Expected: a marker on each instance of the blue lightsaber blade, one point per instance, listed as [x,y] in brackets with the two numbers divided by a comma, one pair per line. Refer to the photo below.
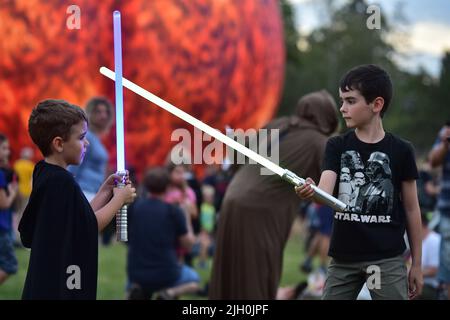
[119,92]
[121,216]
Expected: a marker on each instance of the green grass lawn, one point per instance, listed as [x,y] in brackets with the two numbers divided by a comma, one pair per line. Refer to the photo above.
[112,275]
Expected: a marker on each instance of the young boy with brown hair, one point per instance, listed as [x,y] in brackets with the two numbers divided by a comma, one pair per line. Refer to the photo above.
[59,224]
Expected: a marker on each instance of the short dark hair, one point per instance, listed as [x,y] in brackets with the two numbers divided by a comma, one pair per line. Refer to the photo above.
[53,118]
[372,81]
[156,180]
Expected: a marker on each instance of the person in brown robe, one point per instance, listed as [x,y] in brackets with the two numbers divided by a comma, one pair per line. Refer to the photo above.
[258,211]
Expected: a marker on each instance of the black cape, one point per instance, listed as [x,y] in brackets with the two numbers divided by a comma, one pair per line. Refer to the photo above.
[61,229]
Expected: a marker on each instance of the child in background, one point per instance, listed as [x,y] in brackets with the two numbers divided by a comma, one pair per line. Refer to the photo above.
[430,259]
[180,194]
[156,227]
[207,223]
[8,192]
[23,167]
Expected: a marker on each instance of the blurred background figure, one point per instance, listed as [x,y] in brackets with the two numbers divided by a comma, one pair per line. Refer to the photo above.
[440,156]
[183,196]
[194,184]
[427,188]
[179,192]
[23,168]
[91,173]
[207,224]
[430,259]
[156,230]
[258,210]
[321,241]
[8,193]
[219,178]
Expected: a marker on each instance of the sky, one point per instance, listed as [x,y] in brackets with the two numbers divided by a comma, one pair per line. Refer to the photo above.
[427,27]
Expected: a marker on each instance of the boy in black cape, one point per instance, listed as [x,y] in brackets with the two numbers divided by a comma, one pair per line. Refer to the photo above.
[59,225]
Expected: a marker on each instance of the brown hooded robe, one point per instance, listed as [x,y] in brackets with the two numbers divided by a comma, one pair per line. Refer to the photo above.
[258,210]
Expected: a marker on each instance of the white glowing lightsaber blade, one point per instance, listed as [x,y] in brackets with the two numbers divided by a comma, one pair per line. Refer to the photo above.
[287,175]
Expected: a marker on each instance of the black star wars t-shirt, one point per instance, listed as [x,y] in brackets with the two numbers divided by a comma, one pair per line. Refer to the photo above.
[369,178]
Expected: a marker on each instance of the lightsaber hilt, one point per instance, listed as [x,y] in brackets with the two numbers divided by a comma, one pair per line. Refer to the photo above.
[319,195]
[121,215]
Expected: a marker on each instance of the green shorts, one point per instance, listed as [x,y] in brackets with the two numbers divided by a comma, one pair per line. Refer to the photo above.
[386,279]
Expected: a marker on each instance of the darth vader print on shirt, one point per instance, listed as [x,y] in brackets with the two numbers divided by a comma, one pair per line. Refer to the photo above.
[366,188]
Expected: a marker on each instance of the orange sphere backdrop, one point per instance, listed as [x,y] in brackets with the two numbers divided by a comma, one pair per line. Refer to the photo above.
[221,61]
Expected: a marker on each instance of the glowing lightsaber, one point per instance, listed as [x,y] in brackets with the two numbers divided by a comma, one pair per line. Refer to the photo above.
[287,175]
[121,216]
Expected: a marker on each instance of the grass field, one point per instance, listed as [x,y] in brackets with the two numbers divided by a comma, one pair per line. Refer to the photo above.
[112,275]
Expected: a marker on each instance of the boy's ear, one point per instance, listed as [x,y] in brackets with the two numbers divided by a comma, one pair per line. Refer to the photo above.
[57,144]
[378,104]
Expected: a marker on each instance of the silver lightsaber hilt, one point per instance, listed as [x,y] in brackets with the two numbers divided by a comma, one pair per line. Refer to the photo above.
[319,194]
[121,215]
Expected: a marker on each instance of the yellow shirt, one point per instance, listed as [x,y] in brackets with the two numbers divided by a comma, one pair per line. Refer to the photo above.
[24,170]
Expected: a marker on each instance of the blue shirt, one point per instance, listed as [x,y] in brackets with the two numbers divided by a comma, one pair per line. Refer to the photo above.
[5,214]
[443,203]
[90,174]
